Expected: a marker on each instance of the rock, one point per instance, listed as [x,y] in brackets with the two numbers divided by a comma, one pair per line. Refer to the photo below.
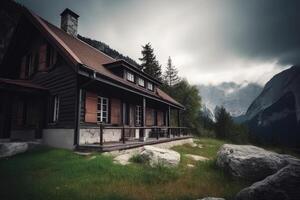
[190,165]
[193,145]
[8,149]
[211,198]
[157,156]
[123,159]
[200,146]
[196,157]
[251,162]
[283,185]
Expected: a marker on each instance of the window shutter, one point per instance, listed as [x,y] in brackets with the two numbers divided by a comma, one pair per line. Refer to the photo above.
[23,68]
[115,111]
[91,107]
[43,58]
[160,118]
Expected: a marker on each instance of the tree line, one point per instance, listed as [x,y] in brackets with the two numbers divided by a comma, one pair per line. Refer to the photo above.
[194,116]
[175,86]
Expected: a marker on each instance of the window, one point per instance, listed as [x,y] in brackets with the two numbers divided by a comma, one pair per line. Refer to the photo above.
[102,110]
[141,82]
[130,76]
[51,56]
[150,86]
[54,108]
[138,115]
[32,62]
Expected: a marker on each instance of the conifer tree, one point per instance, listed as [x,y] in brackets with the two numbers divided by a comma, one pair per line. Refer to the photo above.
[149,63]
[171,74]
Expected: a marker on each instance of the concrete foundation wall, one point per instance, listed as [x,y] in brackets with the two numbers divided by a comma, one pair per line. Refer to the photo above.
[59,138]
[92,135]
[22,134]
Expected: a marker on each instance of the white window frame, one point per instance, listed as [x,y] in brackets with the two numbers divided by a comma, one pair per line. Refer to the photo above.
[130,76]
[102,114]
[138,115]
[141,82]
[55,108]
[150,86]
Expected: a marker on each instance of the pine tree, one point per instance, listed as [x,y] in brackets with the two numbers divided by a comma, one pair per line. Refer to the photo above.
[149,63]
[224,123]
[171,74]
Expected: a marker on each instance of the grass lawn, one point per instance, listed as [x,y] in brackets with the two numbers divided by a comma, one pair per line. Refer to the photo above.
[60,174]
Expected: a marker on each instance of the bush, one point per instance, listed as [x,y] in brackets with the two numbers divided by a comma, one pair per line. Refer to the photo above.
[137,158]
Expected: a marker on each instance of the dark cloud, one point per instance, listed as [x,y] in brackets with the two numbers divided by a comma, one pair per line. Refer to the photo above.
[265,29]
[210,41]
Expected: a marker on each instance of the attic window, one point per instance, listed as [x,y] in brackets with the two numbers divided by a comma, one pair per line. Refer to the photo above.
[51,56]
[130,76]
[141,82]
[150,86]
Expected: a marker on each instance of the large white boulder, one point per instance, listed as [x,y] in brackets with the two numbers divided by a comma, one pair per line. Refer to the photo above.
[157,156]
[8,149]
[285,184]
[251,162]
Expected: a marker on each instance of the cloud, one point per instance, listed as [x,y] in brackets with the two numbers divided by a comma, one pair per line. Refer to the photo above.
[209,41]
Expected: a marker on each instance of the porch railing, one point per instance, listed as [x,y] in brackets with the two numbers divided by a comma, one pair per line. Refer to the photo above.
[154,131]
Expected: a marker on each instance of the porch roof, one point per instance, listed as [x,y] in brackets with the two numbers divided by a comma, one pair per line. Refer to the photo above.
[19,84]
[81,54]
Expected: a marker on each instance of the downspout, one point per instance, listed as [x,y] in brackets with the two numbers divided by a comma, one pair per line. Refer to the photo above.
[79,101]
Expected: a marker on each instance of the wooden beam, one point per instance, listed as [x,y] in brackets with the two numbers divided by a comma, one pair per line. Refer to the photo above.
[169,120]
[143,117]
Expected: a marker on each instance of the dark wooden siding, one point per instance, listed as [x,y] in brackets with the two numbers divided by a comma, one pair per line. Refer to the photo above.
[61,80]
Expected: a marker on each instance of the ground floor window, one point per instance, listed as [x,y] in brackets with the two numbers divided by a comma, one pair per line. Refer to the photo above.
[102,110]
[54,108]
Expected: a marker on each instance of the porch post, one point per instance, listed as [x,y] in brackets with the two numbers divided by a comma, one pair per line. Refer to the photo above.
[123,121]
[178,121]
[143,118]
[169,120]
[101,133]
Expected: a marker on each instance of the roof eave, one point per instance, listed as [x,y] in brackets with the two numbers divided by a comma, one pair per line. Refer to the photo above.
[107,80]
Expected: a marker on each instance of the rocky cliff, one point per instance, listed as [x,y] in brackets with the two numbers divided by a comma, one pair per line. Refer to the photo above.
[275,114]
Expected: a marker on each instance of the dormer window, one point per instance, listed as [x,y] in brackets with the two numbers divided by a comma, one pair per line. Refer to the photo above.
[150,86]
[130,76]
[141,82]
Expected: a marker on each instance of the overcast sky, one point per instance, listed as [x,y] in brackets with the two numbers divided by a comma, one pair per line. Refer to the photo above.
[209,41]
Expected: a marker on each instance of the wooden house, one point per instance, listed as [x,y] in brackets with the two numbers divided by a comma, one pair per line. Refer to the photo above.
[57,89]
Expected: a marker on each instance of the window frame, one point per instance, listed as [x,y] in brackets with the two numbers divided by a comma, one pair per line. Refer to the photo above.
[100,112]
[139,82]
[138,115]
[130,76]
[54,109]
[150,88]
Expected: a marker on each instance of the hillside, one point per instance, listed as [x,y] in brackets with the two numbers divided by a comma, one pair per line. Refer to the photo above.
[275,114]
[107,49]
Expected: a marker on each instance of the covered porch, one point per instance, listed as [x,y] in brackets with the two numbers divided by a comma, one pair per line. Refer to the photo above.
[22,108]
[113,118]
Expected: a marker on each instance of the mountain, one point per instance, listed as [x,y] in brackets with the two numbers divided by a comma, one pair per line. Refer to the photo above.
[236,98]
[275,114]
[107,49]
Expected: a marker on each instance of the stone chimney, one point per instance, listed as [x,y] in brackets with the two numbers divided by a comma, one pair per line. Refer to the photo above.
[69,22]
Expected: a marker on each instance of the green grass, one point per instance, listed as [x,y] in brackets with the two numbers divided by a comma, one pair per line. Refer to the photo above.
[60,174]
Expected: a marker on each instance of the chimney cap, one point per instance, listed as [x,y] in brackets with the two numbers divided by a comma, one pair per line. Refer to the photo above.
[70,12]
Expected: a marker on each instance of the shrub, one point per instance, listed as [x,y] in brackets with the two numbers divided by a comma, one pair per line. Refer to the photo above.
[137,158]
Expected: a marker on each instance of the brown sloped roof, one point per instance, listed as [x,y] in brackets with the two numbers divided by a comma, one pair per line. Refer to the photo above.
[80,52]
